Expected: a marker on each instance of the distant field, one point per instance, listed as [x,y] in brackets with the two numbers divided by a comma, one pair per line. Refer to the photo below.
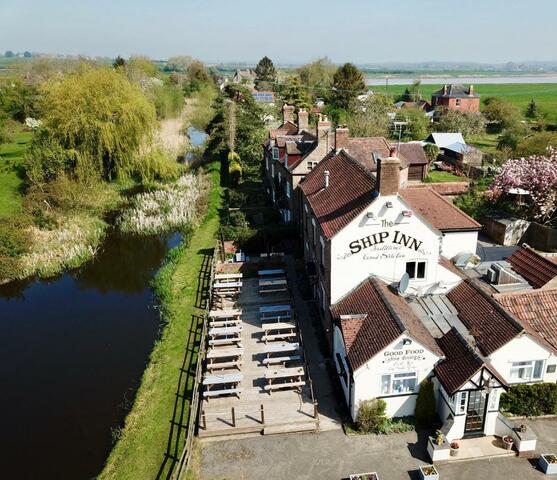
[11,157]
[545,94]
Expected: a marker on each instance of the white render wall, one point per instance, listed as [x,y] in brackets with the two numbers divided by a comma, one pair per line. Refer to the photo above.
[386,260]
[454,243]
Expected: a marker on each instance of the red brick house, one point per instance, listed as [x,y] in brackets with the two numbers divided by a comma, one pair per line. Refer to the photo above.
[456,97]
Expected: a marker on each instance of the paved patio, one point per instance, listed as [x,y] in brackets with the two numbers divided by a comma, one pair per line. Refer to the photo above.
[481,447]
[332,455]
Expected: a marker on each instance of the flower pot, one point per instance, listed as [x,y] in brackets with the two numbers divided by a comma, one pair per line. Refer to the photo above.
[548,463]
[508,442]
[454,451]
[364,476]
[429,472]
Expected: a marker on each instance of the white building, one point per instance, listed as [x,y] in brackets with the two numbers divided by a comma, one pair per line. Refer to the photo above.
[362,235]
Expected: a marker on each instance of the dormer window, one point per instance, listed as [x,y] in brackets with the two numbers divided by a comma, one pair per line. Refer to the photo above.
[275,153]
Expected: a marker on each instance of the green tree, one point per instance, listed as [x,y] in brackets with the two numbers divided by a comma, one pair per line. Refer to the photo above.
[293,93]
[94,123]
[532,110]
[467,123]
[27,54]
[425,404]
[373,119]
[512,136]
[348,83]
[179,63]
[119,62]
[318,75]
[234,168]
[9,54]
[18,99]
[432,151]
[371,416]
[417,124]
[265,74]
[197,77]
[500,114]
[535,143]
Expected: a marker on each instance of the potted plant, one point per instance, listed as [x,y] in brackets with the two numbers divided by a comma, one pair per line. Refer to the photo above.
[455,447]
[522,428]
[365,476]
[429,472]
[548,463]
[508,442]
[438,437]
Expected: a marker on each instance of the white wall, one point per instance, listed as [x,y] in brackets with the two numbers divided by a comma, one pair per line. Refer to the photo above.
[396,358]
[385,259]
[454,243]
[522,349]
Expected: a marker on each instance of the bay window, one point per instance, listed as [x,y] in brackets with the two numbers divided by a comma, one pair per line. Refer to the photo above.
[526,371]
[398,383]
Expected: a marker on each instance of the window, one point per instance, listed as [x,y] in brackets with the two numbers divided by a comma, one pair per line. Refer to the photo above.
[322,253]
[461,405]
[286,160]
[458,102]
[551,368]
[415,269]
[275,153]
[494,400]
[287,188]
[273,170]
[311,165]
[314,232]
[527,371]
[398,383]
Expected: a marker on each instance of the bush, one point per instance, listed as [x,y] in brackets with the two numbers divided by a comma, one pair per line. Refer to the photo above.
[158,165]
[169,101]
[15,241]
[530,400]
[371,416]
[425,403]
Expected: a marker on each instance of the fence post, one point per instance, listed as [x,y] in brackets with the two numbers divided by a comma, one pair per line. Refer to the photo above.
[203,420]
[314,409]
[262,415]
[233,417]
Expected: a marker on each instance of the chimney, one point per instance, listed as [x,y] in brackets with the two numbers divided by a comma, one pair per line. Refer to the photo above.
[445,89]
[388,174]
[326,174]
[303,119]
[323,129]
[342,135]
[287,113]
[471,93]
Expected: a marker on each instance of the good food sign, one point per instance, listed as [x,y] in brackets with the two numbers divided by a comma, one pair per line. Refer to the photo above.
[403,359]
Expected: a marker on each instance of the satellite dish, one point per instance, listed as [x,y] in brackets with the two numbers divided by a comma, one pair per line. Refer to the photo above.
[403,284]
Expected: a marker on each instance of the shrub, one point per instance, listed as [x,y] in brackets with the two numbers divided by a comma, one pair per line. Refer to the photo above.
[158,165]
[371,416]
[168,100]
[530,400]
[425,403]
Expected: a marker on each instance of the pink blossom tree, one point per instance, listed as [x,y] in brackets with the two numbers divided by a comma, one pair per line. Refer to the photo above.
[536,175]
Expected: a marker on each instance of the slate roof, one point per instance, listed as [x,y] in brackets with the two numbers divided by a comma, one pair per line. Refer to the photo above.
[351,189]
[437,210]
[454,91]
[414,153]
[379,318]
[490,325]
[535,268]
[537,308]
[364,149]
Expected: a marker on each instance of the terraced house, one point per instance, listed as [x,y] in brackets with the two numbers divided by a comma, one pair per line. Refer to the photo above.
[380,255]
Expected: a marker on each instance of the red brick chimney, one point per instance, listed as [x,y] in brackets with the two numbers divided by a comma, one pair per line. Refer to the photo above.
[287,113]
[323,129]
[471,92]
[303,119]
[388,174]
[445,89]
[342,135]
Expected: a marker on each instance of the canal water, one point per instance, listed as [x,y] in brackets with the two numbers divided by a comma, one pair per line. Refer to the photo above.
[72,352]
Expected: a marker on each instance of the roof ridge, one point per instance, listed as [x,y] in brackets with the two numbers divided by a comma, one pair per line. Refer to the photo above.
[357,164]
[462,212]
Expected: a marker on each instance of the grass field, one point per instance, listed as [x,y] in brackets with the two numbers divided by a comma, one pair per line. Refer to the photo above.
[438,176]
[545,94]
[11,158]
[140,451]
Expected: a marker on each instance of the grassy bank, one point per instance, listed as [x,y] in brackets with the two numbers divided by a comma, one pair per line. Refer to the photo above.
[143,443]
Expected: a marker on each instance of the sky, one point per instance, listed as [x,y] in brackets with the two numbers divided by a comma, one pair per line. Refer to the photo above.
[288,31]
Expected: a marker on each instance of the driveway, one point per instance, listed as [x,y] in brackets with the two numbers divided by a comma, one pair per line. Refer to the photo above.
[332,455]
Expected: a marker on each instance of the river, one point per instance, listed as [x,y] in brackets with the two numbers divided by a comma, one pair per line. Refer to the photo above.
[72,352]
[474,80]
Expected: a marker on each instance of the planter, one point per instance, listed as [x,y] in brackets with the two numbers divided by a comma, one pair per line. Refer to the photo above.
[548,463]
[508,442]
[455,448]
[429,472]
[365,476]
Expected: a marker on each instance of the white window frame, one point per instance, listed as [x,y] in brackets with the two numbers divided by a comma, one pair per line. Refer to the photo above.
[275,153]
[493,400]
[311,165]
[273,170]
[416,262]
[462,403]
[397,377]
[528,368]
[287,187]
[458,103]
[322,251]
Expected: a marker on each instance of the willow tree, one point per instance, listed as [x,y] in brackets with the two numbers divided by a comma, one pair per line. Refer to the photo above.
[96,120]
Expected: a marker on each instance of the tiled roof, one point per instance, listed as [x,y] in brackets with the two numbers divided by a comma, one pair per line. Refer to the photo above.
[287,128]
[535,268]
[379,317]
[413,153]
[538,308]
[438,211]
[486,320]
[460,364]
[364,148]
[454,91]
[351,189]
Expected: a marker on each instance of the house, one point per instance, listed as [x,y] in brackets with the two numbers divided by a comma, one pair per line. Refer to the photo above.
[247,76]
[455,149]
[420,105]
[456,97]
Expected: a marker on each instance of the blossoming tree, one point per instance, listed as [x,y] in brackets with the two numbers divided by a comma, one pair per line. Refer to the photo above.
[537,176]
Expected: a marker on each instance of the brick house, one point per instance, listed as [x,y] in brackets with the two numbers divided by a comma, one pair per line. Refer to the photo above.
[456,97]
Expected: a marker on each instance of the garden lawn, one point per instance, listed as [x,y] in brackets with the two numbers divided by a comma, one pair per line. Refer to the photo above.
[439,176]
[140,450]
[520,94]
[11,160]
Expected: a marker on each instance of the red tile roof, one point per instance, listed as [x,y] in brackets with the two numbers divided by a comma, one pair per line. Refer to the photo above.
[438,211]
[363,150]
[379,317]
[490,325]
[538,308]
[414,153]
[535,268]
[351,189]
[287,128]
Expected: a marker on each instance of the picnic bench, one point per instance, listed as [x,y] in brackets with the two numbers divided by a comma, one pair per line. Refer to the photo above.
[225,313]
[225,323]
[286,377]
[281,360]
[225,331]
[279,348]
[224,358]
[228,384]
[226,341]
[283,331]
[228,277]
[278,336]
[275,272]
[227,288]
[274,311]
[273,286]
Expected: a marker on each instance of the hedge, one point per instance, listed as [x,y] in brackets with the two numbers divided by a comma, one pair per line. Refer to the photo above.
[530,400]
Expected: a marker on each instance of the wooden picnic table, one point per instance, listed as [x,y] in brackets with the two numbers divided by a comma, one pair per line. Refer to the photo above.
[227,285]
[281,347]
[228,340]
[224,358]
[271,272]
[274,309]
[278,326]
[288,378]
[284,373]
[225,313]
[224,352]
[228,384]
[227,322]
[225,331]
[228,277]
[272,282]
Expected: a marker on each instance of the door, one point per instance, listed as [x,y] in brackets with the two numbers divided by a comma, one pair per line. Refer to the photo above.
[475,413]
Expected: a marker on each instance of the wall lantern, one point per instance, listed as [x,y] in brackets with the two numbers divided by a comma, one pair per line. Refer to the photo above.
[407,213]
[370,215]
[389,204]
[407,341]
